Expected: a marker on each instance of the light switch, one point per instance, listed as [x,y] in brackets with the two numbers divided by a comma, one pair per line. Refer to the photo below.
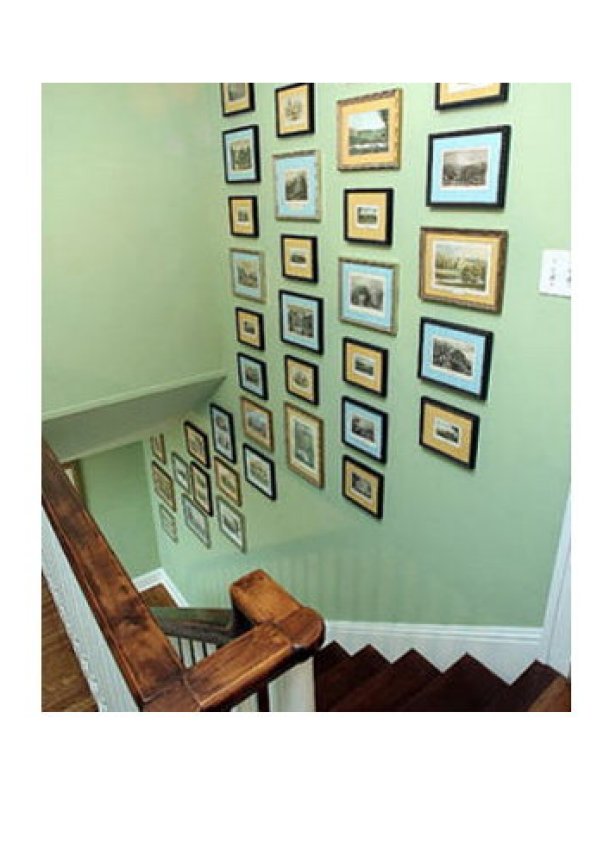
[555,273]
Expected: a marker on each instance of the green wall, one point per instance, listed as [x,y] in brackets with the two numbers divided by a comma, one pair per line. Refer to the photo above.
[454,546]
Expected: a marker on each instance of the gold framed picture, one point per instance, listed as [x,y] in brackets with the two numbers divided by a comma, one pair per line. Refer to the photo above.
[451,432]
[299,257]
[368,131]
[295,110]
[163,485]
[305,446]
[257,423]
[157,445]
[368,215]
[363,486]
[365,366]
[237,98]
[250,328]
[228,481]
[458,95]
[302,379]
[197,443]
[244,215]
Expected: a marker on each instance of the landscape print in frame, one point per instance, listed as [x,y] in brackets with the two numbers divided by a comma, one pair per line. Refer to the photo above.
[237,98]
[368,294]
[368,131]
[295,110]
[455,356]
[297,184]
[449,431]
[241,155]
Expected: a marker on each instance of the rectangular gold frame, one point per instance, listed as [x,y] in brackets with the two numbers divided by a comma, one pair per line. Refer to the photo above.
[234,494]
[266,442]
[316,477]
[387,100]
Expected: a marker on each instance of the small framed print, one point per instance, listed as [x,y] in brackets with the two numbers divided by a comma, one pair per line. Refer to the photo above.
[181,473]
[463,95]
[365,366]
[260,472]
[237,98]
[299,257]
[223,432]
[301,320]
[202,488]
[295,110]
[163,485]
[449,431]
[368,294]
[468,168]
[463,267]
[157,445]
[368,131]
[257,423]
[241,155]
[302,379]
[297,185]
[228,481]
[304,443]
[232,523]
[368,215]
[364,428]
[455,356]
[249,328]
[363,486]
[244,216]
[168,522]
[252,375]
[196,443]
[248,274]
[196,520]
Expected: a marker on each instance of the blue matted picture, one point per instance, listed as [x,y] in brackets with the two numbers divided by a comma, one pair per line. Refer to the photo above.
[364,428]
[297,184]
[301,320]
[455,356]
[248,274]
[241,155]
[468,168]
[368,294]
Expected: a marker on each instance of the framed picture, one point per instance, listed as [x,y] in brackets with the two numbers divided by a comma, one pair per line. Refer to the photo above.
[368,294]
[168,522]
[299,257]
[232,523]
[364,428]
[468,168]
[252,375]
[202,488]
[302,379]
[368,131]
[455,356]
[363,486]
[257,423]
[228,481]
[365,366]
[449,431]
[301,320]
[248,274]
[157,445]
[244,216]
[237,98]
[181,472]
[463,267]
[297,185]
[196,443]
[163,485]
[223,432]
[196,520]
[249,328]
[260,472]
[305,445]
[368,215]
[241,155]
[295,110]
[462,95]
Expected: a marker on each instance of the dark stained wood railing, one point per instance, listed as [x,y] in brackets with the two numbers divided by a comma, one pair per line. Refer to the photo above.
[279,632]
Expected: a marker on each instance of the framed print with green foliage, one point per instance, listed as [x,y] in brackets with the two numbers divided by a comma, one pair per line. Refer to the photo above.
[181,473]
[364,428]
[196,443]
[228,481]
[223,432]
[196,520]
[301,320]
[463,267]
[368,294]
[163,485]
[248,274]
[241,155]
[299,257]
[455,356]
[368,131]
[362,486]
[305,444]
[252,375]
[463,95]
[294,110]
[168,522]
[232,523]
[257,423]
[260,472]
[297,185]
[202,488]
[368,215]
[365,366]
[244,216]
[237,98]
[302,379]
[249,328]
[449,431]
[157,445]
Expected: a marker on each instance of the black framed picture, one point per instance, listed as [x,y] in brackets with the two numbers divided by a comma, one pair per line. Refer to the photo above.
[202,488]
[181,472]
[368,215]
[299,258]
[365,366]
[257,423]
[455,356]
[237,98]
[363,486]
[301,320]
[364,428]
[249,328]
[302,379]
[252,375]
[465,95]
[449,431]
[294,110]
[260,471]
[244,215]
[223,432]
[242,159]
[196,443]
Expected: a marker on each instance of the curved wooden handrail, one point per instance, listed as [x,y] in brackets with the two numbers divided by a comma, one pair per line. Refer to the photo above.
[283,631]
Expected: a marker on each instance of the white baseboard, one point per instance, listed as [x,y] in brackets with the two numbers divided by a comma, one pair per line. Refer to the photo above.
[156,577]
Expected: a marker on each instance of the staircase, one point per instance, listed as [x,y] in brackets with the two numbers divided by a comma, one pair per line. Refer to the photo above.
[368,682]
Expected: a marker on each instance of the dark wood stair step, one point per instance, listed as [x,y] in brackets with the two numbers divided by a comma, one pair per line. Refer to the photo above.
[467,686]
[521,694]
[327,657]
[346,675]
[381,693]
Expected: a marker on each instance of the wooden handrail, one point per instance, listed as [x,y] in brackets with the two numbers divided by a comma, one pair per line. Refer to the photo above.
[283,631]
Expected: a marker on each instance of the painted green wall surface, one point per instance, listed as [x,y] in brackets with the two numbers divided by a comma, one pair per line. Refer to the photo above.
[116,493]
[454,546]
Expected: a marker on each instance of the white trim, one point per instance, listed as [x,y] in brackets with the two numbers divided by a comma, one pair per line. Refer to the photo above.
[555,648]
[156,577]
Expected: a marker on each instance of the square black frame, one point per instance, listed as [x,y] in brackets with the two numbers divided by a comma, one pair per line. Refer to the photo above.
[311,119]
[272,471]
[384,418]
[389,215]
[229,416]
[261,326]
[194,429]
[383,351]
[197,468]
[488,338]
[263,393]
[314,368]
[254,205]
[378,515]
[314,251]
[256,152]
[251,102]
[501,96]
[471,417]
[318,301]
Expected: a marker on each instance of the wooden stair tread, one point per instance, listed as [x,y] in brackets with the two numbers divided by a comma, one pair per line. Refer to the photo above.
[555,698]
[395,683]
[327,657]
[467,686]
[524,691]
[346,675]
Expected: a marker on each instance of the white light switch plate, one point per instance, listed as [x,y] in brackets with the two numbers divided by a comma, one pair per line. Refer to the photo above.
[555,273]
